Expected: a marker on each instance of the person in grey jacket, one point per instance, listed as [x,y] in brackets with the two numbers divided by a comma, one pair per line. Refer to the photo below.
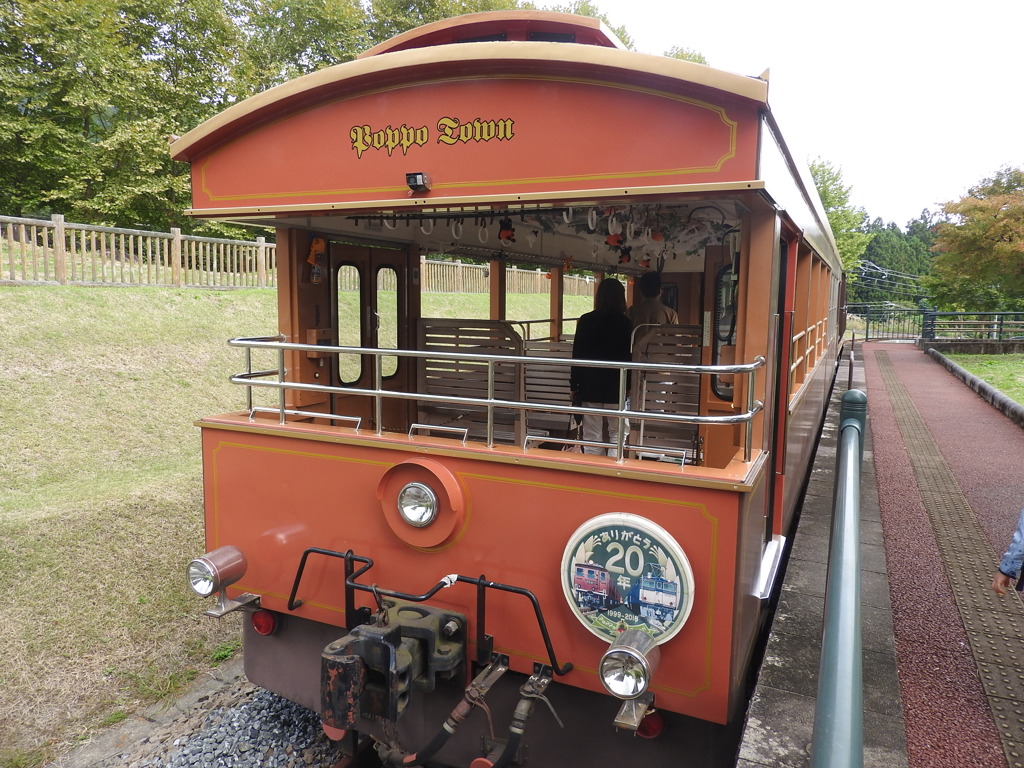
[1010,565]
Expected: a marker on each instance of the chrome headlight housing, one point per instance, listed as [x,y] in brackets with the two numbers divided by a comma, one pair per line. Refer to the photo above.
[201,577]
[216,570]
[418,505]
[629,664]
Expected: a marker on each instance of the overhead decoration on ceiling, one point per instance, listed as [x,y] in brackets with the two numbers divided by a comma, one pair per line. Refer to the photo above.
[626,238]
[646,235]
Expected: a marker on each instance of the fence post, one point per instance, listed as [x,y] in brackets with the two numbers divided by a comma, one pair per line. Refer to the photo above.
[60,264]
[176,257]
[928,326]
[261,262]
[853,349]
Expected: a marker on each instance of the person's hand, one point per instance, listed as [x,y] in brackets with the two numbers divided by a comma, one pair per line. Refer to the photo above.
[1001,583]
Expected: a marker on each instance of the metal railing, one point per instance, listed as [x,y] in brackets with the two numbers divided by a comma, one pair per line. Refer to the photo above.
[973,326]
[900,323]
[838,716]
[276,379]
[885,322]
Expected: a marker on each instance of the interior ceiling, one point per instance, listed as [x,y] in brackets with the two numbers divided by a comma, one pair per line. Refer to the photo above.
[608,237]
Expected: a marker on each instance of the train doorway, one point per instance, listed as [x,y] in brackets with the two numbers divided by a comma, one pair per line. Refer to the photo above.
[372,307]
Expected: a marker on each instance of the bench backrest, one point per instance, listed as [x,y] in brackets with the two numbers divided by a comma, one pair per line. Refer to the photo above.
[467,378]
[668,391]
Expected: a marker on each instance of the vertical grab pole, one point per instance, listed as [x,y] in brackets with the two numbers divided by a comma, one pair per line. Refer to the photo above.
[248,387]
[748,443]
[838,716]
[490,403]
[378,384]
[282,400]
[620,441]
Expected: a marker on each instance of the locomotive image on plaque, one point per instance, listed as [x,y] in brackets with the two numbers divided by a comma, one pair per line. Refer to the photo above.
[621,571]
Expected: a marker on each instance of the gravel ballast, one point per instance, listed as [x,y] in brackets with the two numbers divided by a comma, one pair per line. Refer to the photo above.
[222,721]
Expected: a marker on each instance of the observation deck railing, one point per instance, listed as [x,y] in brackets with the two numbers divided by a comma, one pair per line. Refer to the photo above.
[275,378]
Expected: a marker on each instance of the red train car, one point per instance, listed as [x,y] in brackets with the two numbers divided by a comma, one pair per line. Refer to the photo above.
[392,508]
[594,587]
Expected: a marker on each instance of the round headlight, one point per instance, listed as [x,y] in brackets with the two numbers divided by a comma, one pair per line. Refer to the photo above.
[216,570]
[629,664]
[201,577]
[417,504]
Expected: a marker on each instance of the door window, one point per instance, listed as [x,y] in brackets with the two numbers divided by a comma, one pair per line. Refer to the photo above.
[387,317]
[349,325]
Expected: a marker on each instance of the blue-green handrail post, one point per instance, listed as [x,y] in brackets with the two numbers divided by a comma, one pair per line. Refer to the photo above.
[839,712]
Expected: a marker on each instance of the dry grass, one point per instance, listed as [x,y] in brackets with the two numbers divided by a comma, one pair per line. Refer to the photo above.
[100,495]
[101,504]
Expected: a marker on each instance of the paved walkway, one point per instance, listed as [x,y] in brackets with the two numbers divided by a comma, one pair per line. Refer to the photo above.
[943,482]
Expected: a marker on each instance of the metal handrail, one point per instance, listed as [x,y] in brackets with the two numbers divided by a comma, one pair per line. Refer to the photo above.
[988,326]
[838,715]
[275,378]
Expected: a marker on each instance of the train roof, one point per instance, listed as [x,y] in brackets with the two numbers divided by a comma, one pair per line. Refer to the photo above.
[421,55]
[499,110]
[537,26]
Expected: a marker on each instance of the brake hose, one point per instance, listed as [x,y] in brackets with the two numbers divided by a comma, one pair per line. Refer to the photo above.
[531,690]
[473,697]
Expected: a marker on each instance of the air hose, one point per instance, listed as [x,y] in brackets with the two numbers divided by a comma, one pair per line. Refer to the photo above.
[531,690]
[473,697]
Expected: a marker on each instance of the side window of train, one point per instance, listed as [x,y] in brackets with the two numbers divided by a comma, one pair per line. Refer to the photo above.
[349,326]
[724,328]
[387,317]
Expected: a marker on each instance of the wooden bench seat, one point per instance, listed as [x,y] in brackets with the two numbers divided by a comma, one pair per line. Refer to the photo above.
[543,383]
[668,391]
[548,383]
[468,378]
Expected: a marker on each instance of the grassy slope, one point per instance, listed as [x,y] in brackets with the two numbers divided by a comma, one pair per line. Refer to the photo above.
[102,506]
[102,502]
[1004,372]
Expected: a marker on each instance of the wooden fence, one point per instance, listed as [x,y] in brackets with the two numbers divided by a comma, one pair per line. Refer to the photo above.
[54,251]
[37,250]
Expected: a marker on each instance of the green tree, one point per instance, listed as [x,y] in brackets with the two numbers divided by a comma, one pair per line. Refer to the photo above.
[91,92]
[587,8]
[685,54]
[924,228]
[979,262]
[890,268]
[846,221]
[388,18]
[284,39]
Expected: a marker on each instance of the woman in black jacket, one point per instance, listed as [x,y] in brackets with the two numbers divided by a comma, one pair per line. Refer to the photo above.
[603,334]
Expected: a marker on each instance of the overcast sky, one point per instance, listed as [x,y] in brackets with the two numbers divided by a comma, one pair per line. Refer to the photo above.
[914,101]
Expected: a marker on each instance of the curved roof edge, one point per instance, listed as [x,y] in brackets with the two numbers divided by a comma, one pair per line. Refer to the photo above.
[414,64]
[473,27]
